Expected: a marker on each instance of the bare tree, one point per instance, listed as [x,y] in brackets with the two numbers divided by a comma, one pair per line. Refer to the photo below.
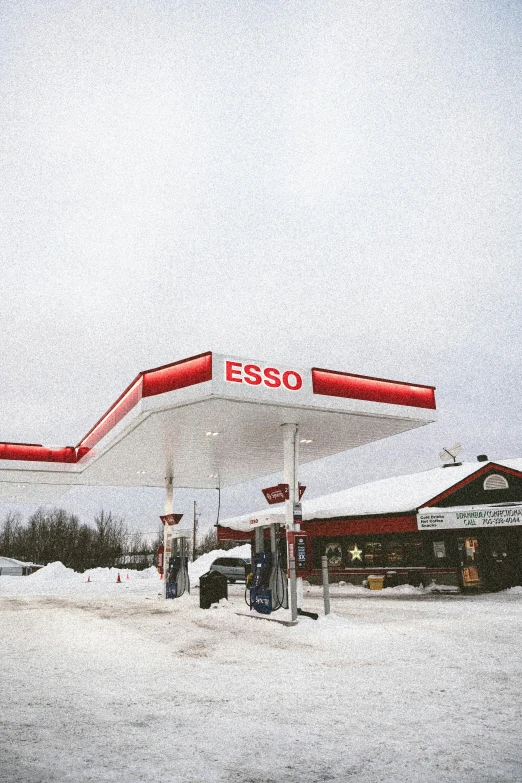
[51,535]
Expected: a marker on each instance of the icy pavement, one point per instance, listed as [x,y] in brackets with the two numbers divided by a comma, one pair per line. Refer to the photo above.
[104,681]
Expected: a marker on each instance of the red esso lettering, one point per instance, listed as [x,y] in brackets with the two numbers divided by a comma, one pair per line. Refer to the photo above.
[233,372]
[292,380]
[255,376]
[271,377]
[252,374]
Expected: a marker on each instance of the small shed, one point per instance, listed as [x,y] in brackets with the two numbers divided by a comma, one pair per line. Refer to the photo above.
[9,566]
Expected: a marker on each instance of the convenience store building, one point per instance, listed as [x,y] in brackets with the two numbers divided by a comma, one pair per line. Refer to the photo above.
[457,525]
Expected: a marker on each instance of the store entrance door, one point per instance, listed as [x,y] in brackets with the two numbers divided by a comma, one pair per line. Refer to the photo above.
[470,570]
[500,560]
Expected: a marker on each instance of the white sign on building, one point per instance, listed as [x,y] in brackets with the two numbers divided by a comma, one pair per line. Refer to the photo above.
[469,517]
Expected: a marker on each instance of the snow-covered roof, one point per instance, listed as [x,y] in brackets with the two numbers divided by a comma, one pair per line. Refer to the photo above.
[11,562]
[392,495]
[387,496]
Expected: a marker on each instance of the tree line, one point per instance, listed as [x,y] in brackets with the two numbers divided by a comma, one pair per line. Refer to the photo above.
[50,535]
[53,534]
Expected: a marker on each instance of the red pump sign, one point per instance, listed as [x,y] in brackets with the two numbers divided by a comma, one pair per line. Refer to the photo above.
[280,493]
[171,519]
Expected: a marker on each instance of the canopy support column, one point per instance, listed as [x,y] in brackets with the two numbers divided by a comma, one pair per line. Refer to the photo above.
[291,462]
[259,540]
[167,534]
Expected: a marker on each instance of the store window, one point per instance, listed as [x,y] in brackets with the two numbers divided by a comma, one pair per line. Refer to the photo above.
[413,552]
[334,553]
[373,554]
[355,554]
[394,553]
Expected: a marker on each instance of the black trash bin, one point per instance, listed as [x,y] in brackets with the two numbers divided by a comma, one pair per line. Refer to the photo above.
[213,586]
[415,579]
[391,579]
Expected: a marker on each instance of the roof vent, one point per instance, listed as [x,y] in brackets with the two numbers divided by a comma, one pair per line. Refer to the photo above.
[495,481]
[482,458]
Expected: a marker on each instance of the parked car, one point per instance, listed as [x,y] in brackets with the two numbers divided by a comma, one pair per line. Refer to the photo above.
[234,568]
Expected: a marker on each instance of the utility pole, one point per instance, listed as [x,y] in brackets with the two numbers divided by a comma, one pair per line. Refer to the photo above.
[195,533]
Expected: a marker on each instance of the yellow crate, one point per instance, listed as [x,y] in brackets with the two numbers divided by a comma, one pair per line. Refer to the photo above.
[375,582]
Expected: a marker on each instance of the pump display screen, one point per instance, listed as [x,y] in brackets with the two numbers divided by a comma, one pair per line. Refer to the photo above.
[301,553]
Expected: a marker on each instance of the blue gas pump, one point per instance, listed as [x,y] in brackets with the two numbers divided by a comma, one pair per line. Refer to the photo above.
[177,577]
[260,593]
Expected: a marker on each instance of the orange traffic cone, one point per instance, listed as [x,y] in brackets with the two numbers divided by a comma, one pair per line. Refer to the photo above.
[119,578]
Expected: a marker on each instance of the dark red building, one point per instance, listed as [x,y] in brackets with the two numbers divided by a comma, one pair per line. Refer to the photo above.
[457,525]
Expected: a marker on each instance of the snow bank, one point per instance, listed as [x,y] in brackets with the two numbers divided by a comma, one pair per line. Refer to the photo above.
[342,588]
[52,572]
[111,574]
[514,590]
[56,576]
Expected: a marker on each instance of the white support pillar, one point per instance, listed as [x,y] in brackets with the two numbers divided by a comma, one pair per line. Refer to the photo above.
[259,540]
[167,533]
[273,539]
[169,496]
[291,462]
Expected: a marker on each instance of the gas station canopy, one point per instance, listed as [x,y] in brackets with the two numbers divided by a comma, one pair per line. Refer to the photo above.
[214,420]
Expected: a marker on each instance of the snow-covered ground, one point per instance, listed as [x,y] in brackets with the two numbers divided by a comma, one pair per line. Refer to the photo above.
[104,681]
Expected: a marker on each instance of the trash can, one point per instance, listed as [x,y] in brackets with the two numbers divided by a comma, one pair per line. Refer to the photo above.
[213,586]
[391,580]
[415,579]
[375,582]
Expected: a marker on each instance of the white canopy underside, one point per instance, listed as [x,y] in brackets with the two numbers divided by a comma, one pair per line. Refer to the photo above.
[205,441]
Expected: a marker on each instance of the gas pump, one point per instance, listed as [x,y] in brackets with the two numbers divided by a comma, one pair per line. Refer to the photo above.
[260,593]
[176,572]
[177,577]
[268,588]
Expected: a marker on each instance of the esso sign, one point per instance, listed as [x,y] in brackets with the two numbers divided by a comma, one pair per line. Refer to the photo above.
[253,375]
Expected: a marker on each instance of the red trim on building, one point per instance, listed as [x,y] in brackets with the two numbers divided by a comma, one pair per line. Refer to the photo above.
[337,527]
[227,534]
[362,526]
[480,472]
[362,387]
[178,375]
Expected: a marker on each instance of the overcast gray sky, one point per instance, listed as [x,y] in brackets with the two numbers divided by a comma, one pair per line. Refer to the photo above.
[319,182]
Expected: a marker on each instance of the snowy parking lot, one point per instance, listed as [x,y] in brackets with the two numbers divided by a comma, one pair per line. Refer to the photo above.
[104,681]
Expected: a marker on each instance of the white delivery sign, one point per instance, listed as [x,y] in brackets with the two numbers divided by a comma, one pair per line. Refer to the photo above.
[469,517]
